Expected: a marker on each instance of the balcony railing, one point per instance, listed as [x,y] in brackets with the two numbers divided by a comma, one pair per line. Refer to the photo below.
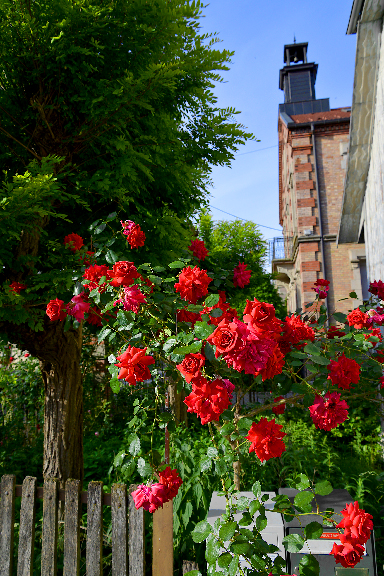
[280,249]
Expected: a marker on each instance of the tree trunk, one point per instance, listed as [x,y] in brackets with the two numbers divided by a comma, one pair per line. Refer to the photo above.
[63,407]
[59,353]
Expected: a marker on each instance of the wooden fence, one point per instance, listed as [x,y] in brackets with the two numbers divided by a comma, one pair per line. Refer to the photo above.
[127,529]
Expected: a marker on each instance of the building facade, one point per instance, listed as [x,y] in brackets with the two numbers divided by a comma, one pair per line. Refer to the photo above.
[363,203]
[313,147]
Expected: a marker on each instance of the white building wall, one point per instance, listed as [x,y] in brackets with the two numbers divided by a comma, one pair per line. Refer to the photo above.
[374,197]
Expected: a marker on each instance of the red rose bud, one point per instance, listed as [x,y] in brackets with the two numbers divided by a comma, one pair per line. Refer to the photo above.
[198,249]
[241,276]
[74,242]
[17,287]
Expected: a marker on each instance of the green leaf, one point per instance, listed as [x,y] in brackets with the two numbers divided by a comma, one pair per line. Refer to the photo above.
[186,515]
[205,464]
[320,360]
[111,257]
[124,318]
[340,317]
[115,385]
[203,330]
[261,523]
[211,300]
[256,489]
[220,467]
[323,488]
[100,228]
[313,530]
[143,468]
[212,550]
[293,543]
[227,531]
[111,358]
[190,349]
[227,429]
[104,333]
[312,349]
[176,264]
[209,352]
[169,343]
[155,279]
[352,295]
[201,531]
[134,446]
[301,482]
[240,546]
[254,507]
[224,560]
[111,216]
[233,567]
[302,499]
[212,452]
[309,566]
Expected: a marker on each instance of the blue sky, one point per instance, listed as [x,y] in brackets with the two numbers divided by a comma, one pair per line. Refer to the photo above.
[257,32]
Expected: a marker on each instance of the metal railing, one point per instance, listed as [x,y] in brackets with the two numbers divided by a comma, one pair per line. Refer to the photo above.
[280,248]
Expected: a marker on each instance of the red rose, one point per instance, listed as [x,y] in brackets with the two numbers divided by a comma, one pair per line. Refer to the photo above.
[343,372]
[266,439]
[208,399]
[17,287]
[73,241]
[274,364]
[193,284]
[134,365]
[191,365]
[329,413]
[348,554]
[198,249]
[260,316]
[224,337]
[358,319]
[94,274]
[377,288]
[135,235]
[131,299]
[88,258]
[186,316]
[334,332]
[56,310]
[295,333]
[123,274]
[357,524]
[252,355]
[78,306]
[94,316]
[241,276]
[321,287]
[149,497]
[373,332]
[171,480]
[227,312]
[280,408]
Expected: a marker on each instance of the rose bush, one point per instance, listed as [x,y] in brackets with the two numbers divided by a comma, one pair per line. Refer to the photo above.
[173,329]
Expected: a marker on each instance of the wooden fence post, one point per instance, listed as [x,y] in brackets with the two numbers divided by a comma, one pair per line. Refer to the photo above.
[50,528]
[119,530]
[72,510]
[94,559]
[27,528]
[136,538]
[162,559]
[7,521]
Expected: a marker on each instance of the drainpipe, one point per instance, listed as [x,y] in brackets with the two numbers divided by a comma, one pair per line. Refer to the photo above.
[319,211]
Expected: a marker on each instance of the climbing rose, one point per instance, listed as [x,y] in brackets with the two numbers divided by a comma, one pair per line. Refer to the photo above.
[74,242]
[357,524]
[266,439]
[193,284]
[241,276]
[94,274]
[208,399]
[358,319]
[135,235]
[228,313]
[295,333]
[191,365]
[280,408]
[94,316]
[134,365]
[334,332]
[131,299]
[149,497]
[321,287]
[274,364]
[56,310]
[171,481]
[329,413]
[377,289]
[229,387]
[348,554]
[224,337]
[198,249]
[260,316]
[187,316]
[343,372]
[77,307]
[17,287]
[123,274]
[373,332]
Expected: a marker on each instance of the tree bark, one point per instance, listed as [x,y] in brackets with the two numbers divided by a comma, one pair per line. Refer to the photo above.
[59,353]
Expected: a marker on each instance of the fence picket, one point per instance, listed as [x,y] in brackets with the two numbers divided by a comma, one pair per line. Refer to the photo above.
[136,538]
[7,519]
[27,528]
[94,529]
[72,528]
[119,530]
[50,528]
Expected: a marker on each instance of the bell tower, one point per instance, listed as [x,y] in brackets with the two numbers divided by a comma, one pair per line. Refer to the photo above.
[297,80]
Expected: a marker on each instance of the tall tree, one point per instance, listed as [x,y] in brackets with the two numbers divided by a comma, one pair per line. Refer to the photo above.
[104,106]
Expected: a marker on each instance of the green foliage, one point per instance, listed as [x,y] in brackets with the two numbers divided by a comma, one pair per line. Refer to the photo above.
[231,242]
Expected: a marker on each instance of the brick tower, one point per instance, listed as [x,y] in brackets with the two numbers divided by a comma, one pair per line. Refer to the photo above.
[313,147]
